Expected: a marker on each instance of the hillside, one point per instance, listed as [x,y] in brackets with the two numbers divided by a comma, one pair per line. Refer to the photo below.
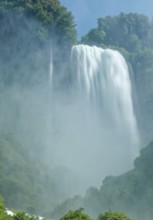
[29,34]
[130,192]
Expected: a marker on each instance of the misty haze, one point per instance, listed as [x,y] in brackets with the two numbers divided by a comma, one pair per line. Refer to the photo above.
[76,115]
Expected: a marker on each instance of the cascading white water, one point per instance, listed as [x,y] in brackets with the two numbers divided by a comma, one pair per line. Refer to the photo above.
[103,77]
[97,131]
[51,64]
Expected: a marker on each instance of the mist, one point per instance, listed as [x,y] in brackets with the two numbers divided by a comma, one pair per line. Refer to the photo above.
[68,113]
[98,134]
[66,129]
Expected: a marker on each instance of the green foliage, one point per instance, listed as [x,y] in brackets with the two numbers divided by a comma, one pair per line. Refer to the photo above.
[142,62]
[50,13]
[76,215]
[144,162]
[94,36]
[69,204]
[113,216]
[29,30]
[2,206]
[24,216]
[6,214]
[130,193]
[130,31]
[24,184]
[71,215]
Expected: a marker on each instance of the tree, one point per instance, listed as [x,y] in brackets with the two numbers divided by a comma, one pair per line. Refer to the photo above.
[94,37]
[29,30]
[129,31]
[113,216]
[76,215]
[50,14]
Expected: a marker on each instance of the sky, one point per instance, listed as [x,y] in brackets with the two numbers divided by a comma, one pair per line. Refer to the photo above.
[86,12]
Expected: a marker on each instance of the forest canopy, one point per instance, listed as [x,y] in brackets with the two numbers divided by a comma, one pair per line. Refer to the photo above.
[129,31]
[53,17]
[29,29]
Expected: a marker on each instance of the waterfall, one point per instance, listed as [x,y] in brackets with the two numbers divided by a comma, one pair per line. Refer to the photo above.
[103,77]
[98,129]
[51,64]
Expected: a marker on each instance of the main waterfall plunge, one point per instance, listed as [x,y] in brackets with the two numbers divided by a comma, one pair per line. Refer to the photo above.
[81,124]
[96,131]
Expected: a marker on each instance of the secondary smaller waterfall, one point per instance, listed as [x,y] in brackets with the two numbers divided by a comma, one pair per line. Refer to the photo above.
[51,64]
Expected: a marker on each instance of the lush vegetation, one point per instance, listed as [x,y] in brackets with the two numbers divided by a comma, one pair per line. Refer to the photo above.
[29,30]
[129,31]
[71,215]
[76,215]
[131,192]
[113,215]
[52,18]
[24,182]
[14,215]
